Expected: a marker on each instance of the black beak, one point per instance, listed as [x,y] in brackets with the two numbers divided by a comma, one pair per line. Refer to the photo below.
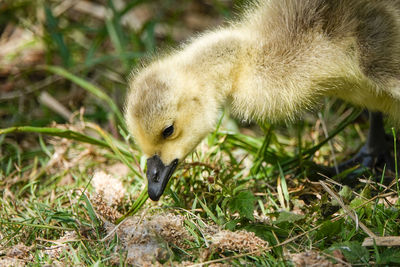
[158,176]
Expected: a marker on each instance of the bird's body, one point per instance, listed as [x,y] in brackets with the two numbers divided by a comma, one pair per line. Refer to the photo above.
[277,60]
[346,48]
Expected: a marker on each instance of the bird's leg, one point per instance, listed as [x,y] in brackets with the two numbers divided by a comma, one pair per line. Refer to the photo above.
[376,154]
[377,151]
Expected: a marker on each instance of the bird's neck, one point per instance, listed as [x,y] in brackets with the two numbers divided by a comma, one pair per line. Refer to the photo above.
[212,60]
[231,67]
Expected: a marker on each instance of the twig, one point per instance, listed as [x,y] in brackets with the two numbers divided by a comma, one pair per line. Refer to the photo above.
[335,258]
[349,212]
[53,104]
[121,222]
[63,7]
[325,130]
[30,89]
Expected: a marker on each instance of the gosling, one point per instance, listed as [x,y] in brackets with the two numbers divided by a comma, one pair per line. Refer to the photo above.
[274,62]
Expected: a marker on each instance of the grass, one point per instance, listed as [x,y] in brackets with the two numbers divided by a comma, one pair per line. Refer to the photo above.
[260,179]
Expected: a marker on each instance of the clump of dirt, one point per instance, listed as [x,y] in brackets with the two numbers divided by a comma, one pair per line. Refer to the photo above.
[60,247]
[19,251]
[144,238]
[8,261]
[18,255]
[239,241]
[104,210]
[110,189]
[109,193]
[312,258]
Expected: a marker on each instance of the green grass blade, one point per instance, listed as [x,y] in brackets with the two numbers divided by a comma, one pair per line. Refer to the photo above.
[65,133]
[309,152]
[284,186]
[139,202]
[42,226]
[57,37]
[115,149]
[129,5]
[116,34]
[89,87]
[208,211]
[90,210]
[349,119]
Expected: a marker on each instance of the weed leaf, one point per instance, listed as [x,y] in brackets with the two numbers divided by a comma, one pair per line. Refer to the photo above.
[290,217]
[353,251]
[244,204]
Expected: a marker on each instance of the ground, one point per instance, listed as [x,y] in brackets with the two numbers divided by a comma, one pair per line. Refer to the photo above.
[72,184]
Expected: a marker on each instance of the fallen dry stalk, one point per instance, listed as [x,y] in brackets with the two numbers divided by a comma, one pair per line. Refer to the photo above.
[384,241]
[53,104]
[348,211]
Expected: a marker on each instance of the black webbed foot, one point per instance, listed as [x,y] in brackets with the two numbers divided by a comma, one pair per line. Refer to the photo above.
[375,161]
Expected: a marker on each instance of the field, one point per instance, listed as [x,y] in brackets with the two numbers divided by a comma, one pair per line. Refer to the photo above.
[72,181]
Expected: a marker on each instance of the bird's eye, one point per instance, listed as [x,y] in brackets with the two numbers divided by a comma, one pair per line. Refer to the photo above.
[168,131]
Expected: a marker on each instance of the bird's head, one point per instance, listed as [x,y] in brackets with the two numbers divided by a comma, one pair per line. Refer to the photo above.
[168,113]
